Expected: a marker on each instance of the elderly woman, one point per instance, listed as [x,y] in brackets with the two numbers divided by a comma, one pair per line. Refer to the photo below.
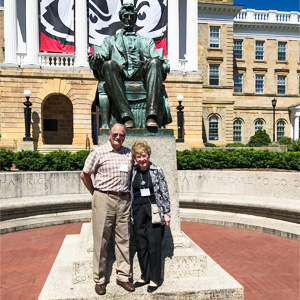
[148,186]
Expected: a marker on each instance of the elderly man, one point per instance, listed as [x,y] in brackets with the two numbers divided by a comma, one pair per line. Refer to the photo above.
[111,165]
[129,56]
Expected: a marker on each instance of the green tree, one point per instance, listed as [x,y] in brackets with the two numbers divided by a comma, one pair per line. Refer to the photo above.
[259,139]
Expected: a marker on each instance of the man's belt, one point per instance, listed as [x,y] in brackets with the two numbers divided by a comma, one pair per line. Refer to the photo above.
[113,193]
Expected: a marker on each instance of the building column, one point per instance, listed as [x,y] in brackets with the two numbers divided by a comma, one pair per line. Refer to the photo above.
[32,34]
[81,45]
[173,34]
[296,128]
[192,35]
[10,32]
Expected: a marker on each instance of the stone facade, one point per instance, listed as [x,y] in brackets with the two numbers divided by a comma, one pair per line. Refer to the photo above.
[57,93]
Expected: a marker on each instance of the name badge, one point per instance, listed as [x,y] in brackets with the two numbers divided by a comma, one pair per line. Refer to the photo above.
[145,192]
[123,168]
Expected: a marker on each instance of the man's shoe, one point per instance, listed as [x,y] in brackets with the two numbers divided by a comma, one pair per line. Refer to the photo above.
[129,124]
[100,289]
[140,284]
[151,123]
[128,286]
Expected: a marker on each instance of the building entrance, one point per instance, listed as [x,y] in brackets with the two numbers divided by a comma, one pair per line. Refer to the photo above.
[57,115]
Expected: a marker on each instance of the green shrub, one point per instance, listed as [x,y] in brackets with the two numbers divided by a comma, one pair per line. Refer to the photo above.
[6,159]
[239,158]
[78,158]
[285,141]
[235,145]
[259,139]
[29,161]
[294,146]
[209,145]
[58,161]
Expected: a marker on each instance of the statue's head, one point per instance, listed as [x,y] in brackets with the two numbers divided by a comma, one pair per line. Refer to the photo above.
[128,15]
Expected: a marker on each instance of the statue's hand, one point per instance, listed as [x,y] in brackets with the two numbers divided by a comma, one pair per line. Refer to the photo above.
[92,60]
[166,67]
[95,61]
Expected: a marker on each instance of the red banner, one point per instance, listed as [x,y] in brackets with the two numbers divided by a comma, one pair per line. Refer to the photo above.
[57,22]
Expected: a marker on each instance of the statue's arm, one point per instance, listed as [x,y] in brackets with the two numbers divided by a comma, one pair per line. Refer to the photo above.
[99,56]
[158,53]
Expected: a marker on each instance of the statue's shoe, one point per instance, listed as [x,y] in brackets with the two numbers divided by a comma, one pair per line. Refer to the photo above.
[151,123]
[129,124]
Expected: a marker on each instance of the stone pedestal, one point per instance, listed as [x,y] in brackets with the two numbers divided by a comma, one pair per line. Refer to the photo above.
[27,145]
[188,272]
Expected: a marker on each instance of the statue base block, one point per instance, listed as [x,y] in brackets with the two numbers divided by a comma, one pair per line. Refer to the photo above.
[188,274]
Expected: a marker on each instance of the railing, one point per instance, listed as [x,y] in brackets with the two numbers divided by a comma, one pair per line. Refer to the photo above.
[56,60]
[50,60]
[271,16]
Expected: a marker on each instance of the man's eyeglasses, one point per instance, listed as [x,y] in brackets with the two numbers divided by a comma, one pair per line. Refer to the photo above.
[118,134]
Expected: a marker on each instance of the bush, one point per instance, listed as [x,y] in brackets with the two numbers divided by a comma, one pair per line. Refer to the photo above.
[259,139]
[235,145]
[294,146]
[6,159]
[209,145]
[285,141]
[239,158]
[58,161]
[30,161]
[78,158]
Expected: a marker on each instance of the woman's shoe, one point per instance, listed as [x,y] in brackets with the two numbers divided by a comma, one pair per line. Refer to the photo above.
[138,284]
[151,289]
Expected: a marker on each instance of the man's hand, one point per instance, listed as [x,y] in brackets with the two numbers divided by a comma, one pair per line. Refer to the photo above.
[86,178]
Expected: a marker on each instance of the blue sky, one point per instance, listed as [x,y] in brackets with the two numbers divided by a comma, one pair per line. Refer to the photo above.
[280,5]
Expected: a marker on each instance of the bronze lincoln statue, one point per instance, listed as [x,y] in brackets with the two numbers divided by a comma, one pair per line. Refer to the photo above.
[127,56]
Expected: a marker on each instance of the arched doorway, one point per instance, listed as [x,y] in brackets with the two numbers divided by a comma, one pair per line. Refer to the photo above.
[57,114]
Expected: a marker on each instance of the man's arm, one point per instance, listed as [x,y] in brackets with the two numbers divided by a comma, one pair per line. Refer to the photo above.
[87,180]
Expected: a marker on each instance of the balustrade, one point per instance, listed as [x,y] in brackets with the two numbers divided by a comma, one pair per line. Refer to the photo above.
[252,15]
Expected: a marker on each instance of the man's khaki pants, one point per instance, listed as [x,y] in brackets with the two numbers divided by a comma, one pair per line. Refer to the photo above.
[111,214]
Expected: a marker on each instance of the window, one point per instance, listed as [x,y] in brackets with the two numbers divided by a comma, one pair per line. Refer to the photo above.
[281,85]
[280,129]
[213,131]
[238,49]
[237,131]
[259,124]
[214,74]
[282,51]
[259,84]
[259,50]
[214,37]
[237,83]
[1,3]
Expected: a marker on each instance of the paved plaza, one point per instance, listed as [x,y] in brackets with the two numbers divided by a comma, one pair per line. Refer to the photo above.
[267,266]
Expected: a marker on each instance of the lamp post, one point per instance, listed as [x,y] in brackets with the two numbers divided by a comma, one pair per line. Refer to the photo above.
[274,101]
[180,120]
[27,115]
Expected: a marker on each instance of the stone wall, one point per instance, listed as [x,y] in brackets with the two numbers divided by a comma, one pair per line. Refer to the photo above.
[276,185]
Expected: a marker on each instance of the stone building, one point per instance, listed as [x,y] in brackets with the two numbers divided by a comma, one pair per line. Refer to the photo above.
[227,62]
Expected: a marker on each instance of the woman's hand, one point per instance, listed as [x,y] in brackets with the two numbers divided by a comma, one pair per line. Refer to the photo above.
[167,219]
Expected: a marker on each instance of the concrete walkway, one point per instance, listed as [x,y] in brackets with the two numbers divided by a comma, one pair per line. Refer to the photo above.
[267,266]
